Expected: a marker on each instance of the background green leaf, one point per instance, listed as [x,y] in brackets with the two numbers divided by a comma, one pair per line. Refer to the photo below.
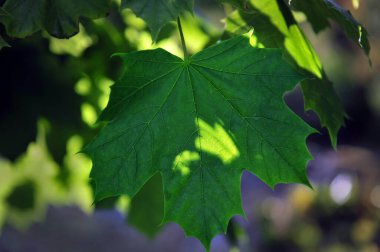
[158,13]
[32,182]
[320,12]
[275,27]
[59,17]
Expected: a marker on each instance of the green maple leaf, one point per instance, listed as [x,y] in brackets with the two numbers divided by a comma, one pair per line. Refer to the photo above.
[200,123]
[158,13]
[59,17]
[320,12]
[275,27]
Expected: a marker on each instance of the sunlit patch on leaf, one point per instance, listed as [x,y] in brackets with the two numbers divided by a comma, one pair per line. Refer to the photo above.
[183,160]
[216,141]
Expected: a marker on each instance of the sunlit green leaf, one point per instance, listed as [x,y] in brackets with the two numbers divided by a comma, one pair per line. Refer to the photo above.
[158,13]
[274,27]
[59,17]
[200,123]
[320,12]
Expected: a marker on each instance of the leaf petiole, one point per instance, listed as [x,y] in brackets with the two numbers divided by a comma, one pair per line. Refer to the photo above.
[185,54]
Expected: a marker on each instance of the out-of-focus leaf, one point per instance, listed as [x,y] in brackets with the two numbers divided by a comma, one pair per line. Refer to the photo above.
[22,196]
[199,33]
[74,46]
[3,43]
[275,27]
[36,170]
[78,189]
[158,13]
[31,184]
[320,96]
[320,12]
[162,118]
[59,17]
[147,207]
[238,3]
[5,174]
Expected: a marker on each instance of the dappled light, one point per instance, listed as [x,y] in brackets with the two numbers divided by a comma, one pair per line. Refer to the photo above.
[89,115]
[183,161]
[193,27]
[75,46]
[31,183]
[216,141]
[83,86]
[37,169]
[78,168]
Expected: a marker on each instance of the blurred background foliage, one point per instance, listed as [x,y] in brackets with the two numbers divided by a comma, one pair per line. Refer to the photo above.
[52,92]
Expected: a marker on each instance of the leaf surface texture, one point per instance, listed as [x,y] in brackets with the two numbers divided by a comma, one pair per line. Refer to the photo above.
[200,123]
